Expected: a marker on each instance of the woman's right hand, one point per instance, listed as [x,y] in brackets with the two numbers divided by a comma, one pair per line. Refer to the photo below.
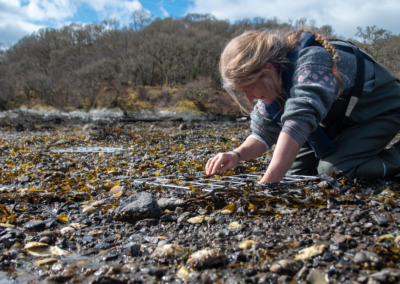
[221,162]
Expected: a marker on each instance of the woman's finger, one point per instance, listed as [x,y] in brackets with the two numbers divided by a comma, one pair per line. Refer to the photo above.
[217,162]
[209,166]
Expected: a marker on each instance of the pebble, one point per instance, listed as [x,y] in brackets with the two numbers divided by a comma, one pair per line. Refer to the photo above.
[170,203]
[67,230]
[367,256]
[310,252]
[286,265]
[234,225]
[183,272]
[247,244]
[206,258]
[316,276]
[380,220]
[35,225]
[170,252]
[196,220]
[45,261]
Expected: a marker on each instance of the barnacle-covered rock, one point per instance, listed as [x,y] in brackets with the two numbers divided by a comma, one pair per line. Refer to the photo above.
[170,252]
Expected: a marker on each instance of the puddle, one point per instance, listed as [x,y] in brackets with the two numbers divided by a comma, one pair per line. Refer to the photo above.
[90,150]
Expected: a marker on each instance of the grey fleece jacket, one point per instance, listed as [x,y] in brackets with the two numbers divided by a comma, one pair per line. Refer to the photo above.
[312,95]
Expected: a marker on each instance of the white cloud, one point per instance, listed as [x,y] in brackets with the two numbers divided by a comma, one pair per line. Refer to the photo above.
[22,17]
[165,12]
[343,15]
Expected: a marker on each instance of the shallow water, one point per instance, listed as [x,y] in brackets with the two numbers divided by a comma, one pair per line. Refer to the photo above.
[90,150]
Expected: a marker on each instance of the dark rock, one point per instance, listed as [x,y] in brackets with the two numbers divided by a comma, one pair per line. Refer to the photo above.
[167,218]
[110,280]
[156,272]
[138,206]
[87,222]
[131,249]
[110,257]
[183,126]
[50,223]
[170,203]
[8,240]
[381,220]
[35,225]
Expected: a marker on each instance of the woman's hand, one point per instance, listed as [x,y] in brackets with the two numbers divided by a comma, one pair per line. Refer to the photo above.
[285,153]
[221,162]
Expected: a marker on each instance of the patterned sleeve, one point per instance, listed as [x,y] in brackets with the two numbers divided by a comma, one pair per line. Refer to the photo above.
[263,125]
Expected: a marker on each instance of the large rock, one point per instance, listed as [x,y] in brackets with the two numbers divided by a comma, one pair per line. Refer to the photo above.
[170,203]
[137,207]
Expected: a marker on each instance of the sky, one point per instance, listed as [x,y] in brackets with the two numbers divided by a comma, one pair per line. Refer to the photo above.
[22,17]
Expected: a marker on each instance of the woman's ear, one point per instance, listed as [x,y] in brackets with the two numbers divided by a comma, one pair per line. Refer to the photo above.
[269,65]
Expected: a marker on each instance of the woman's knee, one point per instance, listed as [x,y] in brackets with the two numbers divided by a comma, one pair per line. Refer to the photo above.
[326,167]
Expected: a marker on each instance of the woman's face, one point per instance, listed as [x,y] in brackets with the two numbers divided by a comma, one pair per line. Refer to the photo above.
[257,91]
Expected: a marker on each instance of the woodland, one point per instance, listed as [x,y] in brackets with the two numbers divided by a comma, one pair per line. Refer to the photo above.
[150,63]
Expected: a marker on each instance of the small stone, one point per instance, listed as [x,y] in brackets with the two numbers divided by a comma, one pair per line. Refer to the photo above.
[196,220]
[310,252]
[24,178]
[132,249]
[181,219]
[368,225]
[45,261]
[316,276]
[367,256]
[286,265]
[183,126]
[234,225]
[67,230]
[45,240]
[183,272]
[206,258]
[381,277]
[170,203]
[170,252]
[381,220]
[129,268]
[89,209]
[103,246]
[247,244]
[35,225]
[178,211]
[62,141]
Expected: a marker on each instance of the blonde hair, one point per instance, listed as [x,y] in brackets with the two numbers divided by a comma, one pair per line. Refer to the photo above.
[244,59]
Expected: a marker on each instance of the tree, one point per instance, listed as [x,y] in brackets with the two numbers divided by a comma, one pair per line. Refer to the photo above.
[91,75]
[374,39]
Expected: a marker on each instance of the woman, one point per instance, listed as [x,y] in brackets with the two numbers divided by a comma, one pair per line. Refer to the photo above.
[313,106]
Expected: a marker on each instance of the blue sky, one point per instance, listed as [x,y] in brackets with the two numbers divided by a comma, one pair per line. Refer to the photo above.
[22,17]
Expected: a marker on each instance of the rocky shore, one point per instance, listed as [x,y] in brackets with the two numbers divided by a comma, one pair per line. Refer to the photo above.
[72,211]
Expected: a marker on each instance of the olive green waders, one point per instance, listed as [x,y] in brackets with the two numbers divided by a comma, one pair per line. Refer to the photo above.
[360,145]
